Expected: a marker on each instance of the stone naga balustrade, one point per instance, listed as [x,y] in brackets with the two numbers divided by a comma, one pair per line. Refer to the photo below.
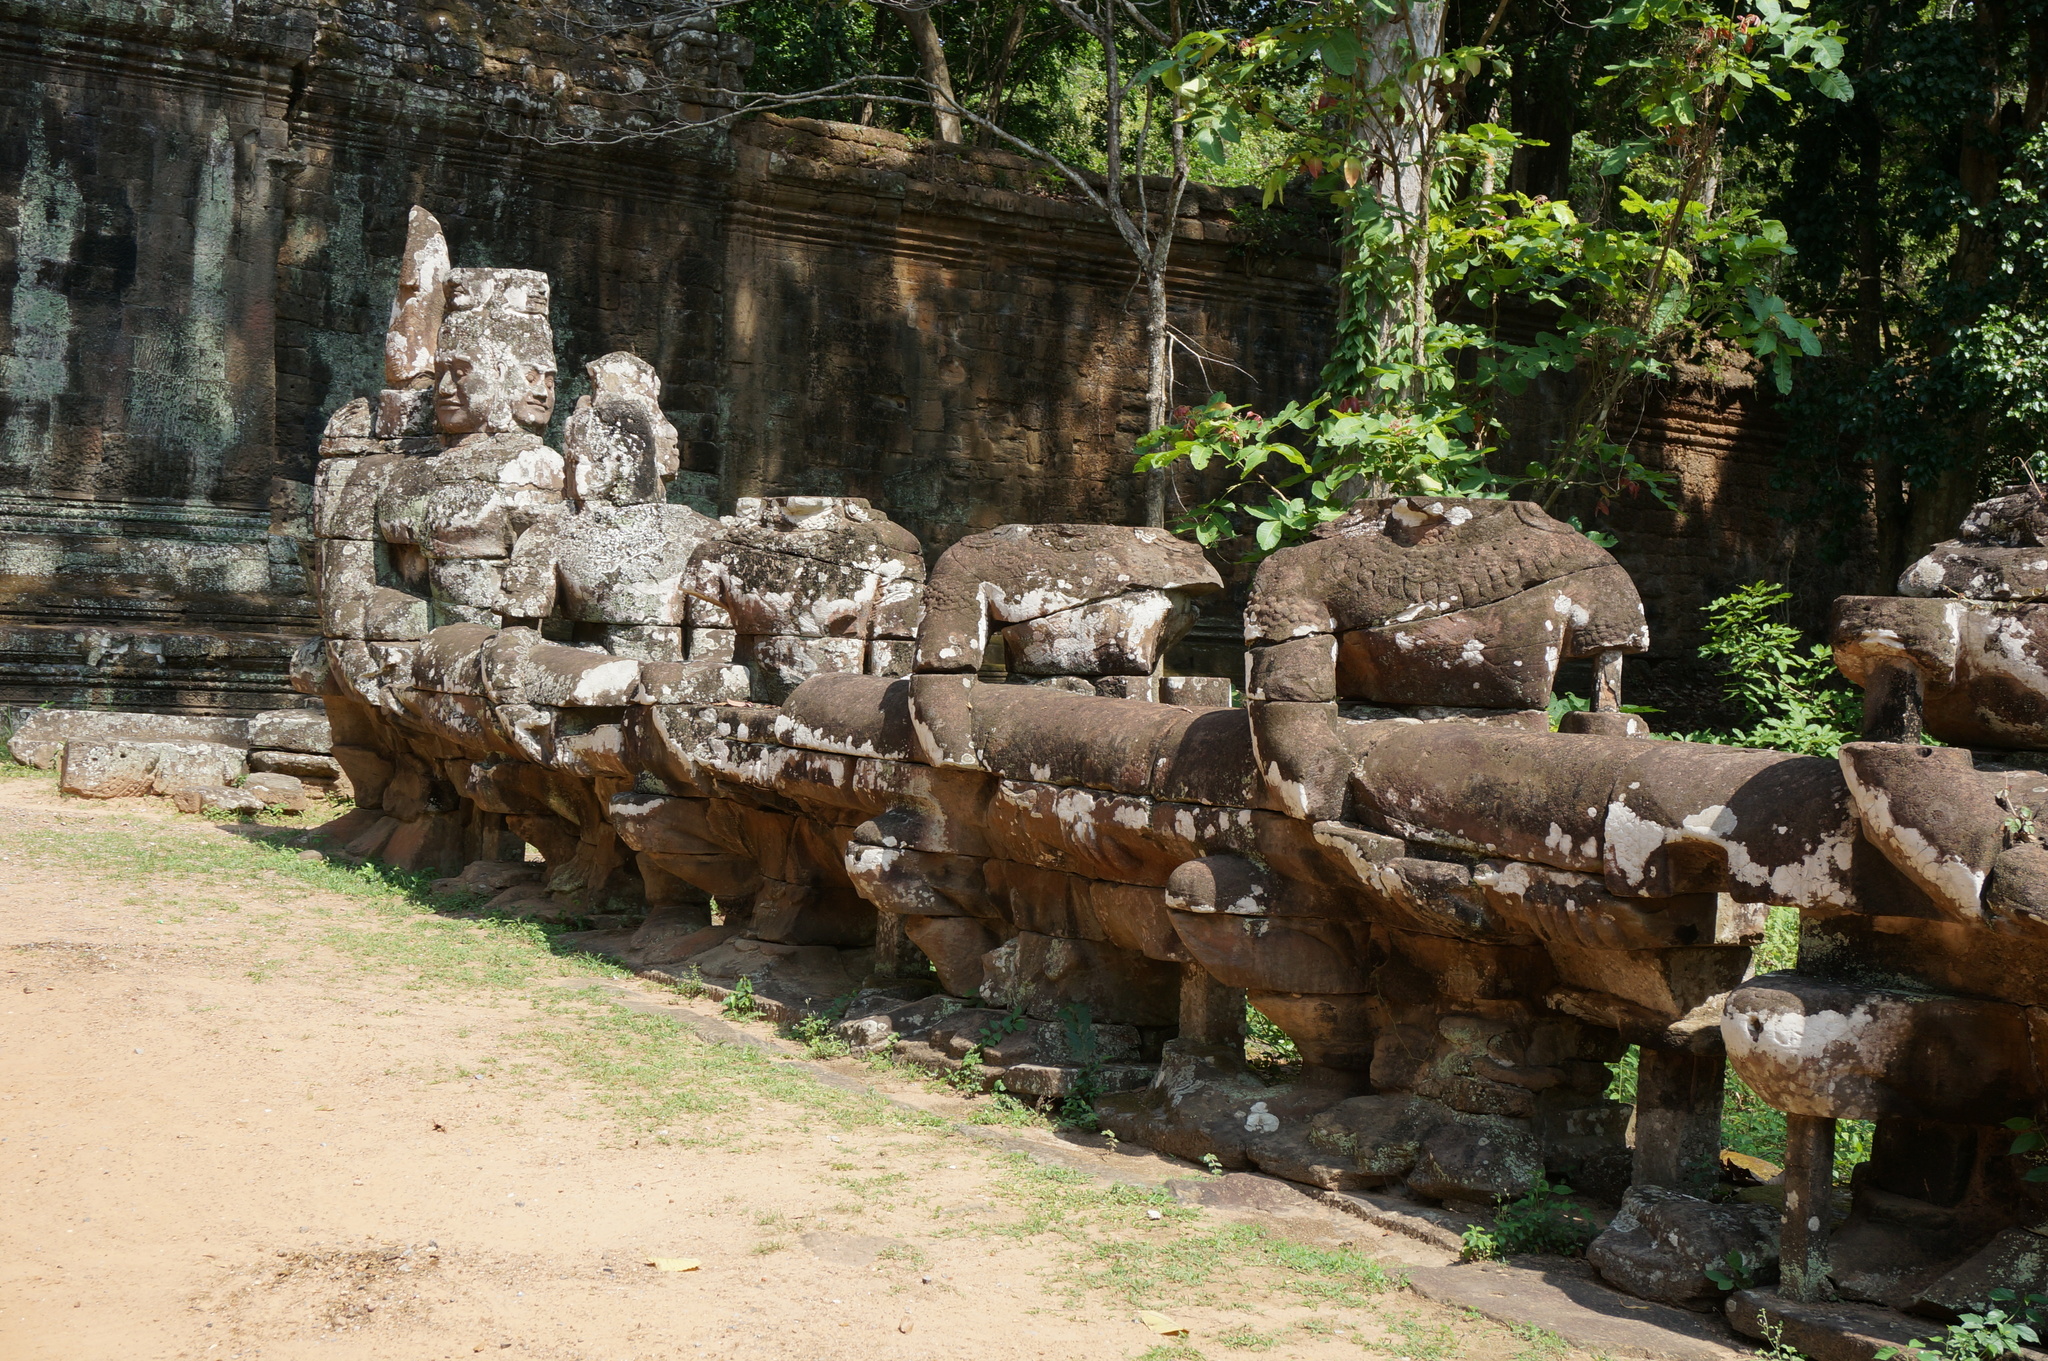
[1078,869]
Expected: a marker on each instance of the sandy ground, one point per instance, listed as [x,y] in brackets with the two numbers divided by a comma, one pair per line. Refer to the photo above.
[252,1105]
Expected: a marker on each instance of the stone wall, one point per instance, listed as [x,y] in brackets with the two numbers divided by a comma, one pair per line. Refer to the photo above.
[1736,517]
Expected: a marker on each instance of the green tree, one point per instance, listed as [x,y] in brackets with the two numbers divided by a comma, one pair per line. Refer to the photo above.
[1917,211]
[1444,266]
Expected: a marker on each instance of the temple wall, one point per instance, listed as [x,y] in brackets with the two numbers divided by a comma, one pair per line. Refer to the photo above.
[1735,518]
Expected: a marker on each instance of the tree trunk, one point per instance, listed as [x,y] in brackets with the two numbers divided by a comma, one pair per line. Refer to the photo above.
[1404,145]
[1000,79]
[931,57]
[1543,106]
[1158,377]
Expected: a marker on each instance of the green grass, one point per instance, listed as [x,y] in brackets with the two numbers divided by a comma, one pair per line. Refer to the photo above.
[1419,1341]
[1540,1343]
[1142,1272]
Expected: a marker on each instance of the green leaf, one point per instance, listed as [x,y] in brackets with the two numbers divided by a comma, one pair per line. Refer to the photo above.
[1618,159]
[1833,84]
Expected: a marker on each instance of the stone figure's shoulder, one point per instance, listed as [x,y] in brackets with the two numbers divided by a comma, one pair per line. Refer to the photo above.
[513,460]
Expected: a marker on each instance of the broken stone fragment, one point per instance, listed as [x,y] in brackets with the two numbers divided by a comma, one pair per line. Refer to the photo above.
[285,792]
[1979,663]
[489,877]
[618,447]
[418,304]
[1382,1135]
[779,663]
[1402,559]
[320,772]
[405,415]
[1661,1244]
[1933,815]
[1502,655]
[290,730]
[1021,573]
[1813,1047]
[1299,670]
[217,799]
[1195,692]
[352,422]
[693,682]
[39,735]
[1476,1158]
[1122,636]
[2015,1260]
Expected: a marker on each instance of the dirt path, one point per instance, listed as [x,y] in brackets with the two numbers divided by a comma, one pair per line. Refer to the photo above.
[253,1104]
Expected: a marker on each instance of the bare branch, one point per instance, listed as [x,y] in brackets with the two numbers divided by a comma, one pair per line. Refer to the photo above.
[1078,19]
[1146,26]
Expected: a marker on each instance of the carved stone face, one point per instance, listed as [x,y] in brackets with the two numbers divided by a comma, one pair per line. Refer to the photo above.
[494,370]
[491,394]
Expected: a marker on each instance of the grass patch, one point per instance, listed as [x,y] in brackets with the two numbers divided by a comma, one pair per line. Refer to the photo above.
[1057,1200]
[1185,1264]
[1540,1343]
[1245,1340]
[1419,1341]
[655,1071]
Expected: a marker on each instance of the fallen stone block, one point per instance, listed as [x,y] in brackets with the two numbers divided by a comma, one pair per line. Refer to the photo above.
[302,730]
[490,877]
[39,736]
[303,765]
[1823,1331]
[278,791]
[216,799]
[117,770]
[1195,692]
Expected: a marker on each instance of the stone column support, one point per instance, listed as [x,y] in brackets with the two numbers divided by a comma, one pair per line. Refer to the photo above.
[895,954]
[1210,1012]
[1894,703]
[1607,681]
[1678,1118]
[1809,1187]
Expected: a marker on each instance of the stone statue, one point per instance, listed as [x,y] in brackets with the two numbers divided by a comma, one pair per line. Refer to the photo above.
[1460,917]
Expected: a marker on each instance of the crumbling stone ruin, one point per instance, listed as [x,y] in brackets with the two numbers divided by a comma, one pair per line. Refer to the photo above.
[1050,862]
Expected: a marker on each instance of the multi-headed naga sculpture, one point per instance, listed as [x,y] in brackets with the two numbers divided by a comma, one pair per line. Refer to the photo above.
[1078,868]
